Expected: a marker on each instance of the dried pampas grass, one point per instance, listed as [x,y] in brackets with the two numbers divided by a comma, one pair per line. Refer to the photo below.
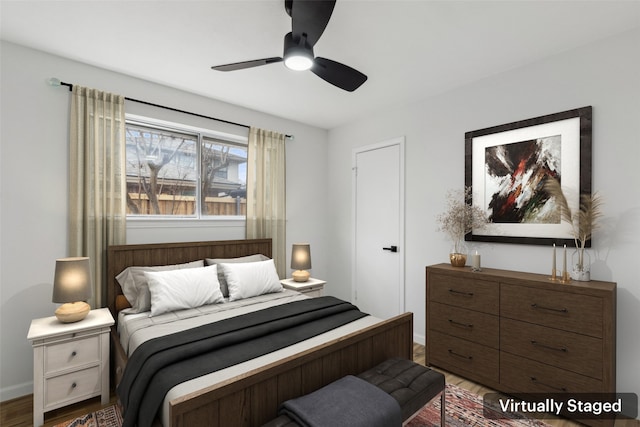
[584,221]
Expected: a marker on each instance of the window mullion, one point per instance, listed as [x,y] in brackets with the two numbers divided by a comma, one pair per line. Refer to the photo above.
[199,175]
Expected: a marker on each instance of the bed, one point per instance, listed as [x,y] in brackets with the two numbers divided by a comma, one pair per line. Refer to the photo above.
[249,394]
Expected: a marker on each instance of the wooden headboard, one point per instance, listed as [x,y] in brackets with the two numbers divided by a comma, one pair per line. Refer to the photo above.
[123,256]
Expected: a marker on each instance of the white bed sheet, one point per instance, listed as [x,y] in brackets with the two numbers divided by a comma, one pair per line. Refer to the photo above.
[135,329]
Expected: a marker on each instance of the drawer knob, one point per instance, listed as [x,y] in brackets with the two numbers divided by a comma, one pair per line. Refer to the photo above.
[541,307]
[549,347]
[74,385]
[73,353]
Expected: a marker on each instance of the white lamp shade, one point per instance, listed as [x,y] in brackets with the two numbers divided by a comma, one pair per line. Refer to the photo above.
[72,281]
[301,256]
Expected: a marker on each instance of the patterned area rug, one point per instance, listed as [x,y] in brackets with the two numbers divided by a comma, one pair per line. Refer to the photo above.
[105,417]
[464,408]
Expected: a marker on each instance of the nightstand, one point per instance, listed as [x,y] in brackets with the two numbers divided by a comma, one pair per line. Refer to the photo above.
[70,361]
[312,287]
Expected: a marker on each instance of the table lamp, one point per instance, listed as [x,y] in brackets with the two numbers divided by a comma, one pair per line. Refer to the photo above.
[300,261]
[72,287]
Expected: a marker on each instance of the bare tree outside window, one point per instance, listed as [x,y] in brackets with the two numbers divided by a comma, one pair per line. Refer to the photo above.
[167,175]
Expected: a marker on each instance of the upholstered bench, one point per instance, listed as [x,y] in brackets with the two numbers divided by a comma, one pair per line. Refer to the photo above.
[410,384]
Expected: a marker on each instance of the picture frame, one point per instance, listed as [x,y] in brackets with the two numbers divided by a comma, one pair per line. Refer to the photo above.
[506,167]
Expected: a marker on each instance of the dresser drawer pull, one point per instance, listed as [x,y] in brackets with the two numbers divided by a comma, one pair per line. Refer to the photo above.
[557,310]
[465,294]
[74,385]
[537,344]
[534,380]
[74,354]
[466,325]
[453,353]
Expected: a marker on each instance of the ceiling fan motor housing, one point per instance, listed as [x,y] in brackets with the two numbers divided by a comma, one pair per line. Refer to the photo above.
[298,55]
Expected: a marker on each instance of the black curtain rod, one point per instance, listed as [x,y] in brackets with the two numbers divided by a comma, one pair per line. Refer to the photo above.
[70,86]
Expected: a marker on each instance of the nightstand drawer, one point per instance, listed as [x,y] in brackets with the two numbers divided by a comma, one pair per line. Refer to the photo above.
[313,292]
[73,386]
[67,355]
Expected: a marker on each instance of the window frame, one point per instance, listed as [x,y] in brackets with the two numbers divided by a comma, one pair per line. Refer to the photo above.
[201,133]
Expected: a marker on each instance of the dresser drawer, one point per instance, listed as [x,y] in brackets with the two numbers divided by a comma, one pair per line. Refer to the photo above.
[473,294]
[578,353]
[73,386]
[471,325]
[527,376]
[71,354]
[556,309]
[476,361]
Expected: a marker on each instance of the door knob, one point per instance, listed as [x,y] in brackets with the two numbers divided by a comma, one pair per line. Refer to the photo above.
[391,248]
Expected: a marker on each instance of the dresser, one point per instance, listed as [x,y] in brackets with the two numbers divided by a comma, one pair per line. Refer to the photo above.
[70,361]
[520,332]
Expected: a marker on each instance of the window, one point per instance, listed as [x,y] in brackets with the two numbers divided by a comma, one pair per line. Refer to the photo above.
[175,171]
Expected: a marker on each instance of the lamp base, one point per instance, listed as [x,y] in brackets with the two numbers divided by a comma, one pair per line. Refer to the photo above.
[300,275]
[72,311]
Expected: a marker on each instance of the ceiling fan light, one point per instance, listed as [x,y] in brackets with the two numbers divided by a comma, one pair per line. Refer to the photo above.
[298,62]
[297,54]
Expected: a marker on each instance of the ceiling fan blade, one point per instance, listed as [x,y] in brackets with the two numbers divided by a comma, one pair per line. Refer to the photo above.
[309,17]
[338,74]
[246,64]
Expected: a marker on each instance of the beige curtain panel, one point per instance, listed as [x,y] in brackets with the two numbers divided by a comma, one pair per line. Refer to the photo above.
[97,179]
[266,204]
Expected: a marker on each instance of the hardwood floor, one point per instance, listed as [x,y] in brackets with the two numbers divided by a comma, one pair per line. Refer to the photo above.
[19,412]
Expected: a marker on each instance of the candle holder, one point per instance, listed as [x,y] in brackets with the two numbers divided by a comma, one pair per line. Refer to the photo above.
[475,262]
[553,277]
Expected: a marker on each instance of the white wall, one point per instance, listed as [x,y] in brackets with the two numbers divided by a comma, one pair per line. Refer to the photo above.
[605,75]
[33,187]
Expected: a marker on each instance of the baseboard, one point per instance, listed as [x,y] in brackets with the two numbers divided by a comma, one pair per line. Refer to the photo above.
[19,390]
[420,339]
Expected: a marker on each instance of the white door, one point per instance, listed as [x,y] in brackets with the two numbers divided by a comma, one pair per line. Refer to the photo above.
[378,225]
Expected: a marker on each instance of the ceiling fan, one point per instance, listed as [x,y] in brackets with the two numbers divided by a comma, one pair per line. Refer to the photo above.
[309,18]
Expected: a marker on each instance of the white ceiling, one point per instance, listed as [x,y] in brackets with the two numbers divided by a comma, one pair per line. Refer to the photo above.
[410,50]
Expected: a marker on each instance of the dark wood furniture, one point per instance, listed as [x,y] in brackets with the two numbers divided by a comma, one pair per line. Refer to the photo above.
[252,399]
[520,332]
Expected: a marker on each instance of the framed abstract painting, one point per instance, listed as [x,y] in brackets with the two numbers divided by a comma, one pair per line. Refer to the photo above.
[507,167]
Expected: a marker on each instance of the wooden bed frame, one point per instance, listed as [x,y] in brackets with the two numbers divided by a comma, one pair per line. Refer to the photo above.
[252,399]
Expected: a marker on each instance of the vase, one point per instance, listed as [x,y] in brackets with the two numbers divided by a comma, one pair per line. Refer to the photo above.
[458,253]
[581,262]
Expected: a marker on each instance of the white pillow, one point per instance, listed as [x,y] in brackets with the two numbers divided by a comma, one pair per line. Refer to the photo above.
[221,279]
[134,283]
[251,279]
[181,289]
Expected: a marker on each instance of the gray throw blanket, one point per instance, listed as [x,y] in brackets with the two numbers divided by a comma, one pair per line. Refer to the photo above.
[347,402]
